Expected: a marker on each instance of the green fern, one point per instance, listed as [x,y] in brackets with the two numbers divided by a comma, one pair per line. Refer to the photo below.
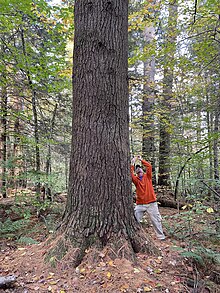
[27,241]
[9,226]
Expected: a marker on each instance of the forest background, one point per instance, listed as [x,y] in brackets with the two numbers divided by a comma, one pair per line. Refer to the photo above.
[173,93]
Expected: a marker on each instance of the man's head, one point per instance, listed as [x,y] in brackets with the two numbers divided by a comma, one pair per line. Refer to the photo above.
[139,171]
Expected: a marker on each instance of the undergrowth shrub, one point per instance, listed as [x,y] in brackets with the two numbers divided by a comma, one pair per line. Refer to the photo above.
[9,228]
[196,226]
[26,240]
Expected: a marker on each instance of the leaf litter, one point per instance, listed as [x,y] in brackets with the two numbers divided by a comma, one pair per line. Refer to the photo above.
[166,273]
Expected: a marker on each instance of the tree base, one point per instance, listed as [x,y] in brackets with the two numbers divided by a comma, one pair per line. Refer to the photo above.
[64,249]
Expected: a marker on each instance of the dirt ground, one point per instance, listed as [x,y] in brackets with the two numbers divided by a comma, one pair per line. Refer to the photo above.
[169,272]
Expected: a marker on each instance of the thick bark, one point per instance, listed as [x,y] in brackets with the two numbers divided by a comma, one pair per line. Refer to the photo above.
[99,210]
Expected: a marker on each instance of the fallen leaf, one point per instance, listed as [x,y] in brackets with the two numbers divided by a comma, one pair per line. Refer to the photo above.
[210,210]
[136,270]
[124,288]
[111,263]
[109,275]
[53,282]
[159,261]
[147,289]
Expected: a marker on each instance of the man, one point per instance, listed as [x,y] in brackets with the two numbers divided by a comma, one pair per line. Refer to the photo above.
[146,199]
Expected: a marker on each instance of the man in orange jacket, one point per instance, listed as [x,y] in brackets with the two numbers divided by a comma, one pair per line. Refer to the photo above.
[146,199]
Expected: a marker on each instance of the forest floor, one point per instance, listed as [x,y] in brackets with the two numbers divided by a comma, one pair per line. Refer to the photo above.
[24,232]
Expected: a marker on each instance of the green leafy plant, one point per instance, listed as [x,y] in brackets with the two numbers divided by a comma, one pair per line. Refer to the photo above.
[9,228]
[26,240]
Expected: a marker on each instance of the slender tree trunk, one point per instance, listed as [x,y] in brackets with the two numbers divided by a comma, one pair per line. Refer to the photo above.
[165,120]
[131,131]
[66,171]
[216,140]
[99,210]
[148,144]
[50,135]
[208,119]
[4,107]
[34,110]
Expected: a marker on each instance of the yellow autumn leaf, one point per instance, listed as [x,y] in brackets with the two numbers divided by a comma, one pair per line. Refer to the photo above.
[147,289]
[49,277]
[62,291]
[109,275]
[136,270]
[111,263]
[210,210]
[53,282]
[184,207]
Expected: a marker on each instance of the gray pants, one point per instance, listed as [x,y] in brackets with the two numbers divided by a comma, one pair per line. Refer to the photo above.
[154,214]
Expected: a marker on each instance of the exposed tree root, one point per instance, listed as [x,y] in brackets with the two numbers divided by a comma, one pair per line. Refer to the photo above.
[66,251]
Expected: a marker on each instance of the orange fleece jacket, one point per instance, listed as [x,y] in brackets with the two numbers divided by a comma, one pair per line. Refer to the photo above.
[144,188]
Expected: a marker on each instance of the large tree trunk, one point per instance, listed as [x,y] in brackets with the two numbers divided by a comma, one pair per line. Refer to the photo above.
[99,210]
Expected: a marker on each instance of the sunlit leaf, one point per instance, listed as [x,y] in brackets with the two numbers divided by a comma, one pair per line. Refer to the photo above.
[210,210]
[108,275]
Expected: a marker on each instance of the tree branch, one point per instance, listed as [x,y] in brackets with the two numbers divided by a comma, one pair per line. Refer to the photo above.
[182,168]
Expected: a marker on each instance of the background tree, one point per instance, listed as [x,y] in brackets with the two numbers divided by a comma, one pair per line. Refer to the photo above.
[167,95]
[36,67]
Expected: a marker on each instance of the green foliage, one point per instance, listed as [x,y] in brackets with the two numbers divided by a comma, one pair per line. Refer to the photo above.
[27,241]
[202,256]
[193,255]
[9,228]
[34,54]
[197,227]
